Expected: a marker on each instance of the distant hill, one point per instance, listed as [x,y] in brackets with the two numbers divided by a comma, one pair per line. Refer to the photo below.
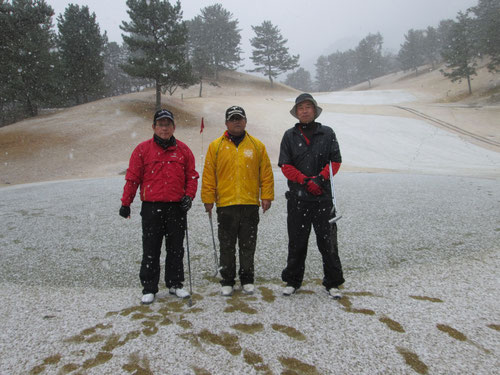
[430,85]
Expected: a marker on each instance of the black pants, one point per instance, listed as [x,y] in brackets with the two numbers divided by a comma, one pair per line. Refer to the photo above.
[237,223]
[161,220]
[301,216]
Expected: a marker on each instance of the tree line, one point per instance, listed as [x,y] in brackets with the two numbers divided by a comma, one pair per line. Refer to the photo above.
[458,44]
[42,68]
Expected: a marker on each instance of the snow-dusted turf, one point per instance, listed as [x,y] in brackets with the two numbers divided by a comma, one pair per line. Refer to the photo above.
[368,97]
[371,97]
[404,144]
[421,260]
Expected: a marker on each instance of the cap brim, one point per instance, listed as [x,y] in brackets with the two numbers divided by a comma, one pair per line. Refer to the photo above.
[164,116]
[236,114]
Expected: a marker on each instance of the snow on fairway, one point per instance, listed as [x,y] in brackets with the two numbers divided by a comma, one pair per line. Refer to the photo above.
[374,97]
[420,255]
[404,144]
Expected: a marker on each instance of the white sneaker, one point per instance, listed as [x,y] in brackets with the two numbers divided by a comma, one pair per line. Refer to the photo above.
[335,293]
[147,298]
[226,291]
[289,290]
[248,288]
[179,292]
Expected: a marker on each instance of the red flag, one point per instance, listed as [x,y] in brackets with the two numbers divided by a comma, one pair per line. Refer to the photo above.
[202,126]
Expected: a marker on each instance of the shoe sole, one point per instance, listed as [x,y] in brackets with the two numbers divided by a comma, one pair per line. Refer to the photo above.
[334,297]
[174,294]
[291,294]
[247,292]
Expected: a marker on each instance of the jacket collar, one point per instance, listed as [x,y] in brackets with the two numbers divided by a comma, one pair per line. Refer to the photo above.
[319,128]
[163,143]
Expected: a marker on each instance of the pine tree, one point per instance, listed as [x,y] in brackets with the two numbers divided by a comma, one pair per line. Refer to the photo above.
[344,69]
[116,81]
[81,49]
[337,71]
[369,57]
[158,42]
[7,69]
[26,61]
[270,54]
[460,51]
[199,51]
[322,68]
[411,53]
[214,40]
[486,27]
[300,80]
[431,46]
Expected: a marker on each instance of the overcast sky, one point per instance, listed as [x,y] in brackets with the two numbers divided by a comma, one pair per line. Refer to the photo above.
[312,27]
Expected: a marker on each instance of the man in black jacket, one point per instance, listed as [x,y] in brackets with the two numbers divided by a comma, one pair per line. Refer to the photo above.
[306,152]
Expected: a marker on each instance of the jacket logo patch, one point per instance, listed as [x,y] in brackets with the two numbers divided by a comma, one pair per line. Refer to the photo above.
[248,153]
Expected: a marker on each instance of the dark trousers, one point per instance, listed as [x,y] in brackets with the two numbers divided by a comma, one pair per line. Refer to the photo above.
[237,223]
[162,220]
[301,216]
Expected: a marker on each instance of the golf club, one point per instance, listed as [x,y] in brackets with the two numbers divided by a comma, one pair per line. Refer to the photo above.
[213,241]
[190,302]
[335,218]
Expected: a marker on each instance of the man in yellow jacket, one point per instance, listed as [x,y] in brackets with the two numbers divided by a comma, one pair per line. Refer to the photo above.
[236,175]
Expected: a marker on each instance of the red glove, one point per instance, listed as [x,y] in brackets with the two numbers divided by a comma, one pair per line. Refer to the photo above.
[326,170]
[313,188]
[293,174]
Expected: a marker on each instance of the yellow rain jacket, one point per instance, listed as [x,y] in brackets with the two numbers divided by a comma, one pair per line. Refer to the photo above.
[237,175]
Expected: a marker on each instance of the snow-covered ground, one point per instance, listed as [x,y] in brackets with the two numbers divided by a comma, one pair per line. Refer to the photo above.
[420,251]
[370,97]
[420,255]
[409,145]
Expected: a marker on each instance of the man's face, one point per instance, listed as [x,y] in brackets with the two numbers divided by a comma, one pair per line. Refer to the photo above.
[164,128]
[305,112]
[236,125]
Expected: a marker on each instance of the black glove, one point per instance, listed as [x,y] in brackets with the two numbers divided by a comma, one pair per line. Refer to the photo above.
[186,203]
[125,211]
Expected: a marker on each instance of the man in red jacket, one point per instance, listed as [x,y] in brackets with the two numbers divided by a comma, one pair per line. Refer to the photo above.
[164,170]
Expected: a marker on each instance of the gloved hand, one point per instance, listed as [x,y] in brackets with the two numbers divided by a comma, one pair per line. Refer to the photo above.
[313,188]
[318,180]
[125,211]
[186,203]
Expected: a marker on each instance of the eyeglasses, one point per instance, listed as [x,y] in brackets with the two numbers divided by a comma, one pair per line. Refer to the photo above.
[235,119]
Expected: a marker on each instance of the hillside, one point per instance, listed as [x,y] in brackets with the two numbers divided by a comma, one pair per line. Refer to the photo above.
[96,139]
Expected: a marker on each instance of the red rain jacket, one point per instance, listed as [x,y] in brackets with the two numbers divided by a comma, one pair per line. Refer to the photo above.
[164,175]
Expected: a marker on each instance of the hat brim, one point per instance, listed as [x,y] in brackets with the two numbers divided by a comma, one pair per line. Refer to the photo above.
[293,111]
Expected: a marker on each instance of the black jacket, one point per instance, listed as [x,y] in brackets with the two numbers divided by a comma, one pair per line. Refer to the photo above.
[309,159]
